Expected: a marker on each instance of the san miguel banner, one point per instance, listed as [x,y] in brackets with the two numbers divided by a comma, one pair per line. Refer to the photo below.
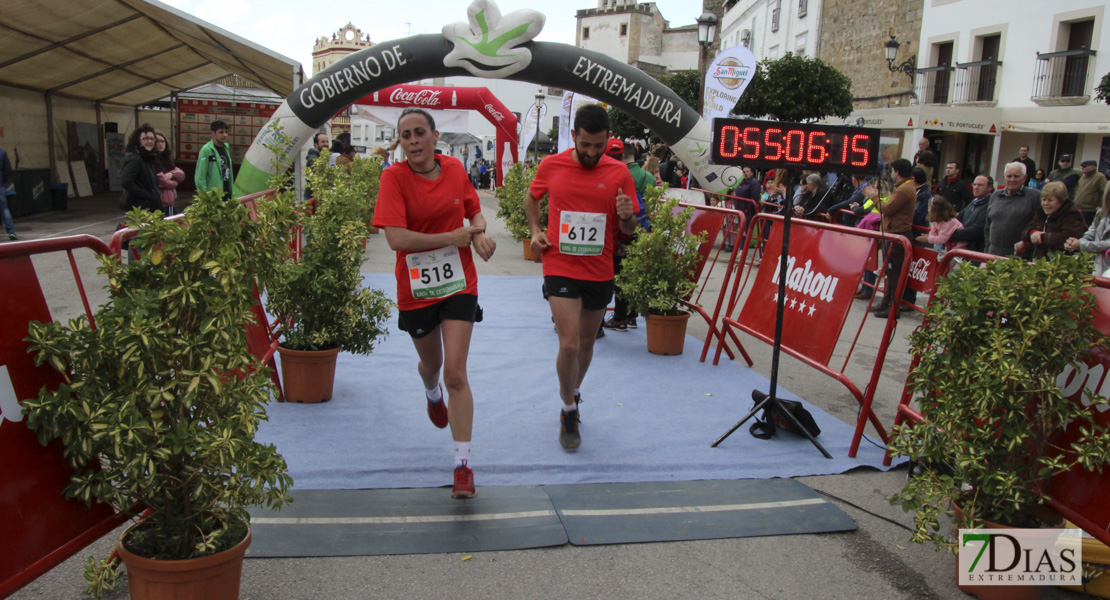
[489,45]
[824,269]
[725,81]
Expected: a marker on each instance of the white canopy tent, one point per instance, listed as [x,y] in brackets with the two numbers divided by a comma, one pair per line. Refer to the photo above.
[99,60]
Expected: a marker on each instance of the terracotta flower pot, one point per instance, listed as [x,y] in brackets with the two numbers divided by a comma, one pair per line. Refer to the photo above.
[214,577]
[529,255]
[307,375]
[666,335]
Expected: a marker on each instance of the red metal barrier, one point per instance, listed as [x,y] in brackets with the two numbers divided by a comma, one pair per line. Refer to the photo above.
[715,223]
[41,528]
[827,263]
[1078,496]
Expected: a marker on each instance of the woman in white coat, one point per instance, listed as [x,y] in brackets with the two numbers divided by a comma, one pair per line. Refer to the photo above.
[1097,238]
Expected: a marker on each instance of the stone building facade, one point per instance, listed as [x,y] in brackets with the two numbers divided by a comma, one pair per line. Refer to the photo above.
[326,52]
[852,36]
[637,34]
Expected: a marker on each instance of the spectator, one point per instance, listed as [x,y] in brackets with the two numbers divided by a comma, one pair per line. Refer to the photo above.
[955,189]
[974,215]
[1065,174]
[942,224]
[1096,240]
[137,177]
[1037,181]
[855,200]
[814,199]
[1058,221]
[1090,190]
[1023,158]
[6,187]
[1011,209]
[319,142]
[898,220]
[921,190]
[651,165]
[214,169]
[926,159]
[169,175]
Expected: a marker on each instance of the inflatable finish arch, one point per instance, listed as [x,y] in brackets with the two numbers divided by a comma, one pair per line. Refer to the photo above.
[491,46]
[448,98]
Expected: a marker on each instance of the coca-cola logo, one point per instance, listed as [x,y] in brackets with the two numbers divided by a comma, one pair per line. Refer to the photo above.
[494,112]
[919,270]
[420,98]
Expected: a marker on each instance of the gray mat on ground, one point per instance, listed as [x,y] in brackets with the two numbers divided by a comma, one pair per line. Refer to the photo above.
[621,513]
[421,521]
[406,521]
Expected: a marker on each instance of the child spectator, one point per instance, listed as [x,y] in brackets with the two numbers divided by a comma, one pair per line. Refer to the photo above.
[942,224]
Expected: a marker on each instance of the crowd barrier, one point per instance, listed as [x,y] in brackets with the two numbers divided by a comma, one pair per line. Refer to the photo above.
[41,528]
[825,267]
[1078,496]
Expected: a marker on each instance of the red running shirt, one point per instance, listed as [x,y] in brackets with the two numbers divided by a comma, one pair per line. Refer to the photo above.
[418,204]
[572,187]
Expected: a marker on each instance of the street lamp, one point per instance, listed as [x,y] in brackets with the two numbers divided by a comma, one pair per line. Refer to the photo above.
[707,31]
[909,67]
[536,145]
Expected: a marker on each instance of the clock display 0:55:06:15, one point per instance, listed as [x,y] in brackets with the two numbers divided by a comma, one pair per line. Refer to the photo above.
[774,144]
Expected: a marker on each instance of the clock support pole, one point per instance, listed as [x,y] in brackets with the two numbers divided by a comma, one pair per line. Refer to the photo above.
[770,400]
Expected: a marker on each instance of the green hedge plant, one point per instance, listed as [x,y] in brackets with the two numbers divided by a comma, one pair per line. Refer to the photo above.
[511,196]
[657,272]
[319,298]
[160,401]
[991,349]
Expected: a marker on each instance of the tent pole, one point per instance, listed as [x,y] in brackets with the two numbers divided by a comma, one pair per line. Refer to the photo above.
[50,134]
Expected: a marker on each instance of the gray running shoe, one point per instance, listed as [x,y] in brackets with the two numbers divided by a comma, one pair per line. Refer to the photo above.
[569,438]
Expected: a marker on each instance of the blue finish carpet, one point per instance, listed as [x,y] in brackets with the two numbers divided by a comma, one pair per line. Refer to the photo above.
[644,417]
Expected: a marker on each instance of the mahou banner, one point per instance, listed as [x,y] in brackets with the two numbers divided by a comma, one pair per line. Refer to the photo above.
[726,79]
[823,271]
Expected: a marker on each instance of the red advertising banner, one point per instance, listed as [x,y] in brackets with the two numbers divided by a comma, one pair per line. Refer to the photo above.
[244,121]
[923,270]
[1082,491]
[823,271]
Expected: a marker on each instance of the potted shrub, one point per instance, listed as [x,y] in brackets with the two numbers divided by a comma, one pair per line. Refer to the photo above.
[510,208]
[318,299]
[658,272]
[161,400]
[991,348]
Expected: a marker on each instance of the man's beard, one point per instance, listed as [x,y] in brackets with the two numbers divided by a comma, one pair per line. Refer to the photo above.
[587,161]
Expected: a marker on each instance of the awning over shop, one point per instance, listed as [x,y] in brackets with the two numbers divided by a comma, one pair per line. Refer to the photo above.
[936,117]
[1097,127]
[126,52]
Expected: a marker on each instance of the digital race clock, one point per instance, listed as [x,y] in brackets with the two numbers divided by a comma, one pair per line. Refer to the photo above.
[808,146]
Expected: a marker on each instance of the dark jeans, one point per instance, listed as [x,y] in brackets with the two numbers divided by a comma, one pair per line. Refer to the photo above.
[895,254]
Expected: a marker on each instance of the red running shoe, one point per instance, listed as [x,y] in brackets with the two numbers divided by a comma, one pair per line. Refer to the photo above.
[437,411]
[464,483]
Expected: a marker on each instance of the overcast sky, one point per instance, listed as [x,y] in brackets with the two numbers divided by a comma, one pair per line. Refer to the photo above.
[290,27]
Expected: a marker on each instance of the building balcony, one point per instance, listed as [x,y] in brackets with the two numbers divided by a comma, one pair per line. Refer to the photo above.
[976,83]
[932,85]
[1062,78]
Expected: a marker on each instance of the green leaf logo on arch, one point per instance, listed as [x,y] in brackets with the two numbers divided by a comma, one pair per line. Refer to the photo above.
[488,46]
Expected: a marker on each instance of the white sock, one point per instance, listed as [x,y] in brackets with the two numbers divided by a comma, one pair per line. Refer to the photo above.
[569,407]
[435,394]
[462,453]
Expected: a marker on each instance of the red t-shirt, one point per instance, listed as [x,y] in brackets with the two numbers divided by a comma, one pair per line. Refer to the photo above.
[418,204]
[587,191]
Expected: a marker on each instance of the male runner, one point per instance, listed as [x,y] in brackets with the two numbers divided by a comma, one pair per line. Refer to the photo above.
[587,206]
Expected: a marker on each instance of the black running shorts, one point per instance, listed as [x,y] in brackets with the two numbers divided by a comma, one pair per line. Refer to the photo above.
[595,295]
[422,321]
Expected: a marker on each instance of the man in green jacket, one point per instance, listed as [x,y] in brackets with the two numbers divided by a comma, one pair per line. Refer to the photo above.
[214,171]
[624,317]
